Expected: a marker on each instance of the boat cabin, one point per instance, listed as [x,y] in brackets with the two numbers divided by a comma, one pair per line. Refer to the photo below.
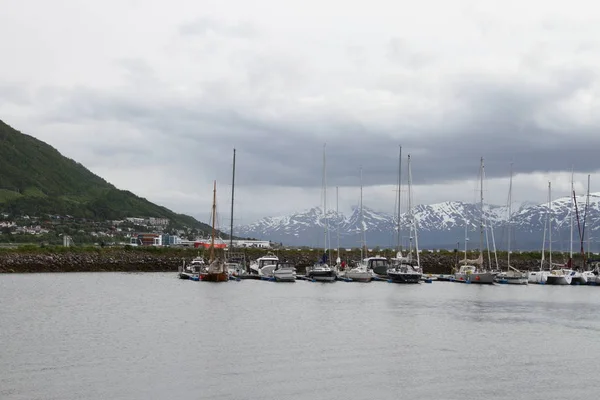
[285,264]
[377,262]
[467,269]
[264,261]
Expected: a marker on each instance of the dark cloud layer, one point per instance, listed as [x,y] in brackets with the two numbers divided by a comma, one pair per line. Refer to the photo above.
[498,120]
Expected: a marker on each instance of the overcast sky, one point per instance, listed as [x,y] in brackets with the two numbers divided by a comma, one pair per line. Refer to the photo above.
[154,95]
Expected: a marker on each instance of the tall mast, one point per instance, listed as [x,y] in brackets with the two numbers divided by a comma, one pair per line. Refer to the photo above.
[337,215]
[214,217]
[550,223]
[409,205]
[399,199]
[232,198]
[466,240]
[362,224]
[571,217]
[579,227]
[413,228]
[587,205]
[324,200]
[481,209]
[509,213]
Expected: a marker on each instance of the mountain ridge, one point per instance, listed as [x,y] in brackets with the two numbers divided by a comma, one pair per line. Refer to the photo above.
[440,225]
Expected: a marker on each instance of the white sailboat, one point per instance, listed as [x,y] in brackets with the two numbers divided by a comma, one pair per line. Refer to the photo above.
[360,273]
[321,271]
[581,277]
[472,270]
[541,276]
[405,269]
[338,260]
[511,276]
[564,274]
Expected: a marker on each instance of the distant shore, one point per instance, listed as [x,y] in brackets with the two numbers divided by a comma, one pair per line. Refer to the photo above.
[33,259]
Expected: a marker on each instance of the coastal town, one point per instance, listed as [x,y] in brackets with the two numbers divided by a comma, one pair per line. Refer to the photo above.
[131,231]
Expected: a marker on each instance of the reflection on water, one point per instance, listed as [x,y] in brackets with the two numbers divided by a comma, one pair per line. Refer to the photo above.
[151,336]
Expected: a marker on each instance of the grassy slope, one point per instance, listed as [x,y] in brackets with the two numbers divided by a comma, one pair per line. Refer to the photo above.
[35,179]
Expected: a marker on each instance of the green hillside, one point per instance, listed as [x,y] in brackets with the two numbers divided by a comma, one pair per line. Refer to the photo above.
[36,179]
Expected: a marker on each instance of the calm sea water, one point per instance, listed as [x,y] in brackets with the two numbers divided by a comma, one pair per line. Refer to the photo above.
[152,336]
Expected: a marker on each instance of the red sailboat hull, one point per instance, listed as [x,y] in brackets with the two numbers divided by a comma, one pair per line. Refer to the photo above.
[214,277]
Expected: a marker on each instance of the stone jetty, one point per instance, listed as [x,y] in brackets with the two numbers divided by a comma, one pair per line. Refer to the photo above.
[168,260]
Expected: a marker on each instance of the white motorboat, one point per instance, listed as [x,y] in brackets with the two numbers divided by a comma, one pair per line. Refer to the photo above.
[193,269]
[512,277]
[471,274]
[236,263]
[284,272]
[321,272]
[264,266]
[359,273]
[377,266]
[234,268]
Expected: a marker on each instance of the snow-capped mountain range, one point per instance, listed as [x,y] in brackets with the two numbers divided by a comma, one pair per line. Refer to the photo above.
[439,225]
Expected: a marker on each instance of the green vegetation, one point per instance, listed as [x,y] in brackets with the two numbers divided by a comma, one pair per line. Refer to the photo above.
[35,179]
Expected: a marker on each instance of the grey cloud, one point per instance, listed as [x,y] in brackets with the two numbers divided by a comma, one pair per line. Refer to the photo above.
[204,25]
[11,93]
[494,118]
[400,52]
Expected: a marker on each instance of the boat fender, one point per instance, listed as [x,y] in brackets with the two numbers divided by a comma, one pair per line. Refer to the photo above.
[477,278]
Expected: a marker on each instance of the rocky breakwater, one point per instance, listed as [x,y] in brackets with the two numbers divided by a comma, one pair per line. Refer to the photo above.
[125,261]
[432,262]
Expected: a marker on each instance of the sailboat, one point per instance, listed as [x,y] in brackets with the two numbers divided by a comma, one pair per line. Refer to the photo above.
[236,262]
[512,275]
[216,271]
[581,277]
[472,270]
[564,275]
[321,271]
[338,260]
[541,276]
[589,275]
[360,273]
[404,269]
